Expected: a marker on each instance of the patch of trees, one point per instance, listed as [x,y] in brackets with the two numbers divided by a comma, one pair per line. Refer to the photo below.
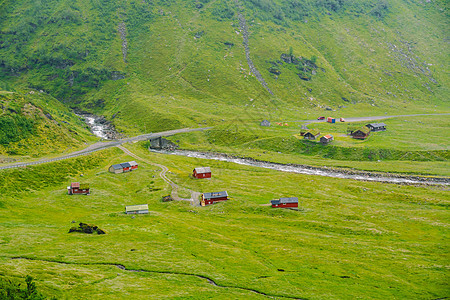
[223,11]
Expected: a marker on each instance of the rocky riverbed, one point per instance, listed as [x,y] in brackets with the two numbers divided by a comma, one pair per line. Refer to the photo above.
[319,171]
[100,126]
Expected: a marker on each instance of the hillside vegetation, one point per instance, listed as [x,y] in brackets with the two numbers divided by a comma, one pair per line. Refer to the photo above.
[154,65]
[35,124]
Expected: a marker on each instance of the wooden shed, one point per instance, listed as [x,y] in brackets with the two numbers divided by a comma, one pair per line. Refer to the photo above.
[326,139]
[311,134]
[210,198]
[78,188]
[116,169]
[377,126]
[203,172]
[361,133]
[285,202]
[136,209]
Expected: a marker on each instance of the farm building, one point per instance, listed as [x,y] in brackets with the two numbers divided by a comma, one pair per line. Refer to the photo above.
[377,126]
[331,120]
[136,209]
[285,202]
[116,169]
[265,123]
[203,172]
[311,134]
[133,165]
[326,139]
[78,188]
[123,167]
[210,198]
[361,133]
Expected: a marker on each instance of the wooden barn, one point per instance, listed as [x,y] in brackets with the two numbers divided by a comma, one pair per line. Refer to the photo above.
[361,133]
[136,209]
[78,188]
[210,198]
[311,134]
[265,123]
[377,126]
[133,164]
[123,167]
[326,139]
[203,172]
[285,202]
[116,169]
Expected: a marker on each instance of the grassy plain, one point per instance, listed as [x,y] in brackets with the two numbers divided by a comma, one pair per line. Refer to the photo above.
[350,239]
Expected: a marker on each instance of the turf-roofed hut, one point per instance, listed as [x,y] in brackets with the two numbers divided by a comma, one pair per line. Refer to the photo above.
[361,133]
[285,202]
[78,188]
[203,172]
[210,198]
[311,134]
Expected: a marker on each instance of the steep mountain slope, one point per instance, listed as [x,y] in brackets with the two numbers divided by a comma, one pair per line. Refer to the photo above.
[34,124]
[152,65]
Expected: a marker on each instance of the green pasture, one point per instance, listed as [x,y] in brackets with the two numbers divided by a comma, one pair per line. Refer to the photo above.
[350,239]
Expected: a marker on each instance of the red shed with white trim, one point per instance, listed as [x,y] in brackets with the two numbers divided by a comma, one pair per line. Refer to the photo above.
[77,188]
[210,198]
[285,202]
[203,172]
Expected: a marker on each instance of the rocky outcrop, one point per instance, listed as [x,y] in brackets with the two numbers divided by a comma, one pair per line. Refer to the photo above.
[86,228]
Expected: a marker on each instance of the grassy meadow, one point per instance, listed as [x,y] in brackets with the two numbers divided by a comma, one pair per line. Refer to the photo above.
[349,239]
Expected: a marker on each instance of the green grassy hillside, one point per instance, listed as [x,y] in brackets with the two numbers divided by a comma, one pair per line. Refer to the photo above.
[153,65]
[349,240]
[33,124]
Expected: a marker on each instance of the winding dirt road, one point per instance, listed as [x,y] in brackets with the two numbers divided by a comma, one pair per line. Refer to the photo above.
[194,195]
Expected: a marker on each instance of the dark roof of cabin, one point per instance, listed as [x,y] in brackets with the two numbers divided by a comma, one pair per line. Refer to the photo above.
[116,167]
[214,195]
[284,200]
[125,165]
[376,125]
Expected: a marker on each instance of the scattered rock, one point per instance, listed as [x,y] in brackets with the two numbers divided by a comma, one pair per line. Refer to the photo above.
[167,199]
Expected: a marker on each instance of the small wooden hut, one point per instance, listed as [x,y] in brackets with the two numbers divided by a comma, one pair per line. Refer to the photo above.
[311,134]
[285,202]
[376,127]
[210,198]
[78,188]
[202,172]
[361,133]
[136,209]
[326,139]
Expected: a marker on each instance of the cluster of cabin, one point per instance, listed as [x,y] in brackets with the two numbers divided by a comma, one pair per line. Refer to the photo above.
[123,167]
[313,134]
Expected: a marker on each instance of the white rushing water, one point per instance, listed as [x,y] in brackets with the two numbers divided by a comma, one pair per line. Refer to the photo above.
[96,128]
[302,169]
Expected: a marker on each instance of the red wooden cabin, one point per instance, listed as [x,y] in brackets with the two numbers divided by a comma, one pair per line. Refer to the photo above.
[126,167]
[210,198]
[77,188]
[204,172]
[285,202]
[361,134]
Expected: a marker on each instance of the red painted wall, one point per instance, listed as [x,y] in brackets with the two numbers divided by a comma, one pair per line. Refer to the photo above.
[286,205]
[202,175]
